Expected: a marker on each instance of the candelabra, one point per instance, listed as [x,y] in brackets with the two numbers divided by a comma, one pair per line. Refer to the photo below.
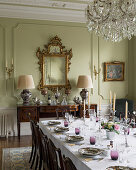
[9,70]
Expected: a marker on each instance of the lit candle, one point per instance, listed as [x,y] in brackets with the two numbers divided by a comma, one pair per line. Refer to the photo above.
[110,97]
[99,103]
[126,110]
[114,99]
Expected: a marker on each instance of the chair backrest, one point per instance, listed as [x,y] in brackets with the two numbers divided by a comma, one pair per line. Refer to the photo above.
[120,107]
[44,141]
[55,158]
[32,123]
[68,164]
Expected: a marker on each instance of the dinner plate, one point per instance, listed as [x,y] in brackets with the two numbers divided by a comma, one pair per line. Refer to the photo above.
[73,138]
[119,168]
[61,129]
[53,123]
[88,151]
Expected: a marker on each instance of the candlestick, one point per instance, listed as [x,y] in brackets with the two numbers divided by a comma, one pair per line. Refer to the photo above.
[114,99]
[12,61]
[126,110]
[88,102]
[6,64]
[99,103]
[88,98]
[110,97]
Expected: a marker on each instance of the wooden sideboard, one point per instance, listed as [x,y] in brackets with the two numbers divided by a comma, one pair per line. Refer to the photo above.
[45,111]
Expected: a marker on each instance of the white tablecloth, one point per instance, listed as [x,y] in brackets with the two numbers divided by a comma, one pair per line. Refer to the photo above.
[127,155]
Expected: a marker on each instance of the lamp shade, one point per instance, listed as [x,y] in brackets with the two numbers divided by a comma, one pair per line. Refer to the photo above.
[25,82]
[84,81]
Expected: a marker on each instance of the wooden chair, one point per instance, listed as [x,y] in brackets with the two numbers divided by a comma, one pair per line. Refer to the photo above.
[38,154]
[33,152]
[44,141]
[68,164]
[55,158]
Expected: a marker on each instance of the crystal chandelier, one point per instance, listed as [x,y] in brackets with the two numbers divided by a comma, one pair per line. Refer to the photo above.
[112,19]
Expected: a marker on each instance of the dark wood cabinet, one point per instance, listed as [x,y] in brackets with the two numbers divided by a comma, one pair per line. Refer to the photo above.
[23,114]
[45,111]
[39,111]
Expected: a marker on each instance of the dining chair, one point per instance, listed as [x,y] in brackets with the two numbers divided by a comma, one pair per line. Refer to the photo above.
[55,158]
[68,164]
[44,141]
[38,153]
[33,151]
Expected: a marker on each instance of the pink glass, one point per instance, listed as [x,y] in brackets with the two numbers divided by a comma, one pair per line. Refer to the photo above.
[66,123]
[97,119]
[77,131]
[114,154]
[92,140]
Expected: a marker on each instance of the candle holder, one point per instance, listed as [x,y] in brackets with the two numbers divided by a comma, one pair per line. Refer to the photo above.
[9,70]
[126,132]
[99,117]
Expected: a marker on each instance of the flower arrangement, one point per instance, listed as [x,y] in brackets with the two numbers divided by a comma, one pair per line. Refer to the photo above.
[112,127]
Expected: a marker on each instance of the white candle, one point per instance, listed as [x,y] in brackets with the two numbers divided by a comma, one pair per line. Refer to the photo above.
[126,110]
[99,103]
[12,61]
[84,105]
[6,64]
[114,100]
[110,97]
[88,100]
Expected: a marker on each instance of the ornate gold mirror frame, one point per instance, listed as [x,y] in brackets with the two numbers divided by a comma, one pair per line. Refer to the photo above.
[54,49]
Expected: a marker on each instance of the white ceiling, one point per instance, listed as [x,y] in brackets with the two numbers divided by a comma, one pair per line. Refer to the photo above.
[59,10]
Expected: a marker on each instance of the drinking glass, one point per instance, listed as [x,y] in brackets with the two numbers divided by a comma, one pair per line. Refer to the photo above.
[114,154]
[92,140]
[77,131]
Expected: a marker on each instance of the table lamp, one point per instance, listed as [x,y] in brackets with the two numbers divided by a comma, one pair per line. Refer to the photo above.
[84,81]
[25,82]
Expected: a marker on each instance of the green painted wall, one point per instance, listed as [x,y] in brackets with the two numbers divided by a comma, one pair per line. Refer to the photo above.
[20,39]
[131,64]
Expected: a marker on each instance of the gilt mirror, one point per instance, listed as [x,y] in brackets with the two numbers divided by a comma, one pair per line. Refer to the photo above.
[54,62]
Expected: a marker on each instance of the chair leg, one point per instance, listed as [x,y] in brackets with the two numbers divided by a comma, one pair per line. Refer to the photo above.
[33,158]
[31,154]
[37,158]
[40,163]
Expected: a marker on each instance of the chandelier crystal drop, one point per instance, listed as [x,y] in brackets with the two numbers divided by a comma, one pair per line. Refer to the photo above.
[112,19]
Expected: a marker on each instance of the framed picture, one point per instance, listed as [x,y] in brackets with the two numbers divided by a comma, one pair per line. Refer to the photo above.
[114,71]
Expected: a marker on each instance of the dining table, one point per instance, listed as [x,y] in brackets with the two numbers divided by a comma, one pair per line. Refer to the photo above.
[90,128]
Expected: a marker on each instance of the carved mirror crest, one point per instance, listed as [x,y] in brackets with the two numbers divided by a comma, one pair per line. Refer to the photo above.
[54,64]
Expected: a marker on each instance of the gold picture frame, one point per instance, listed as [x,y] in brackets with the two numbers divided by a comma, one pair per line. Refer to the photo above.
[114,71]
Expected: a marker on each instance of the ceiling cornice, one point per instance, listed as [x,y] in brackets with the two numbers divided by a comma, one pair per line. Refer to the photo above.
[68,11]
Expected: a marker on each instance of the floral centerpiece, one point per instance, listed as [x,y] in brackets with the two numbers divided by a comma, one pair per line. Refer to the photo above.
[110,126]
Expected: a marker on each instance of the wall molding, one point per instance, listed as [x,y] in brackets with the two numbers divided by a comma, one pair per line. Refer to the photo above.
[44,10]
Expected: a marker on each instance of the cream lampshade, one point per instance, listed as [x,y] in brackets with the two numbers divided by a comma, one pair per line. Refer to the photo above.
[84,81]
[25,82]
